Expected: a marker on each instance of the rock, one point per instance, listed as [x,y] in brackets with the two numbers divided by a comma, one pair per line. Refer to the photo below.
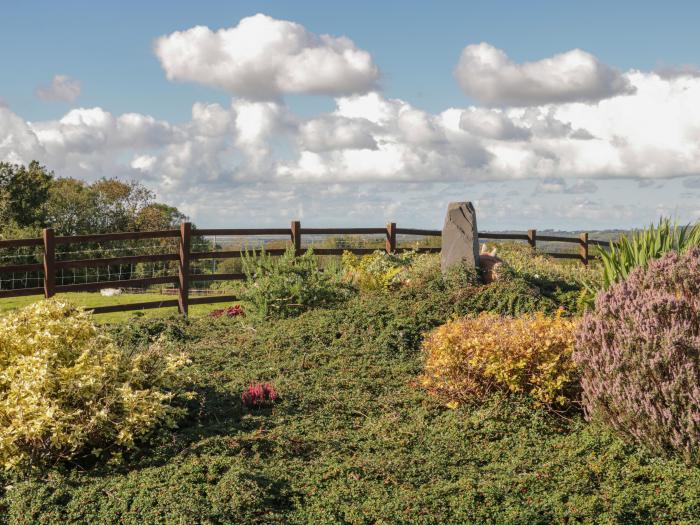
[491,266]
[109,292]
[460,238]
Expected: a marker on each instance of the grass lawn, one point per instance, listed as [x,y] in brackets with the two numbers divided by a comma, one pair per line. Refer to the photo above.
[94,299]
[355,440]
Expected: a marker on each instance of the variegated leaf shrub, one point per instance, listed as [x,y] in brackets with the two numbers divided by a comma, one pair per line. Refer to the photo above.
[378,270]
[66,390]
[467,359]
[639,353]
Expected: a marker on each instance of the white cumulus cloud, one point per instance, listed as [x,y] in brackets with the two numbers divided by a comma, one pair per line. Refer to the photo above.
[488,75]
[263,58]
[62,89]
[336,132]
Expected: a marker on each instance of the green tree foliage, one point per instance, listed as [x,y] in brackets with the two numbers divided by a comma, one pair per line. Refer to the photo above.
[23,193]
[31,197]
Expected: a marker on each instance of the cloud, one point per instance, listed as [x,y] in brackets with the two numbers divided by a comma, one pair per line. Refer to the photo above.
[488,75]
[692,182]
[492,124]
[18,142]
[263,58]
[411,145]
[337,133]
[561,185]
[671,71]
[62,89]
[370,137]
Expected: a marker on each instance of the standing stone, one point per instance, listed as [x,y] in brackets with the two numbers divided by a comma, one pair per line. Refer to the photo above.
[460,238]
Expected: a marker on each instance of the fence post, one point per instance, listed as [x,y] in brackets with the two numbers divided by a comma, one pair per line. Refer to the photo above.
[184,268]
[391,237]
[583,248]
[532,238]
[296,237]
[49,260]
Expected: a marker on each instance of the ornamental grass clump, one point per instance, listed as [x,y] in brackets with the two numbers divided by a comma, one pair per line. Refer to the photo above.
[468,359]
[67,391]
[644,246]
[639,353]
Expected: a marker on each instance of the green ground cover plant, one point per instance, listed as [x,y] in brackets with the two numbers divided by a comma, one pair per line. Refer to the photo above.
[353,438]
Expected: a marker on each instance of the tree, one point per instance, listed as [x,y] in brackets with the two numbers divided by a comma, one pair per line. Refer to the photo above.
[158,216]
[72,208]
[32,198]
[119,203]
[24,192]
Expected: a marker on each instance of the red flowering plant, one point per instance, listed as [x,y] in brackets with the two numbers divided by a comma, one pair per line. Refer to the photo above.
[258,395]
[231,311]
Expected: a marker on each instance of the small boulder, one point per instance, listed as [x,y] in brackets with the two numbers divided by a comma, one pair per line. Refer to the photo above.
[491,266]
[109,292]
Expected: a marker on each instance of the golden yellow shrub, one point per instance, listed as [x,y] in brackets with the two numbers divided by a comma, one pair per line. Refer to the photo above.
[466,359]
[67,390]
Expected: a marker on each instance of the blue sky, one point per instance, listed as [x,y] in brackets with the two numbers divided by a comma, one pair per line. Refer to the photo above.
[108,51]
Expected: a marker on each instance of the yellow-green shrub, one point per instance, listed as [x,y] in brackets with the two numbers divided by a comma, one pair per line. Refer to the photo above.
[469,358]
[378,270]
[66,390]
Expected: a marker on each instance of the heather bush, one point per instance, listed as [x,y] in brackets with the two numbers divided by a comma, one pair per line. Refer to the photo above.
[288,285]
[66,390]
[235,310]
[467,359]
[639,353]
[258,395]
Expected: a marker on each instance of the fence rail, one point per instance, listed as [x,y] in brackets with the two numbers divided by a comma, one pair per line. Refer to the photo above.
[185,256]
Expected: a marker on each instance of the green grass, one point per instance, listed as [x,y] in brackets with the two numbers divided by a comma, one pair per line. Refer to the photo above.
[354,440]
[94,299]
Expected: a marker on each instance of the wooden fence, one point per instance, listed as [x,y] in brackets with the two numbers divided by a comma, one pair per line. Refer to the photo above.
[185,255]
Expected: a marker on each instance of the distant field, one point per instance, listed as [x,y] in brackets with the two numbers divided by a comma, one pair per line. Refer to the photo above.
[94,299]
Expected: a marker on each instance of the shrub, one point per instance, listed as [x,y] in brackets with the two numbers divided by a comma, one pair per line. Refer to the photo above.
[639,353]
[467,359]
[569,285]
[377,271]
[232,311]
[286,286]
[258,394]
[66,390]
[511,297]
[141,331]
[645,246]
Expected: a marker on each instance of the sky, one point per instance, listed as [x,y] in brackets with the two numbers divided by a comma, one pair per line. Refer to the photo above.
[562,115]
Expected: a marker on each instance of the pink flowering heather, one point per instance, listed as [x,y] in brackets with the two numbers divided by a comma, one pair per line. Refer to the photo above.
[231,311]
[639,356]
[258,395]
